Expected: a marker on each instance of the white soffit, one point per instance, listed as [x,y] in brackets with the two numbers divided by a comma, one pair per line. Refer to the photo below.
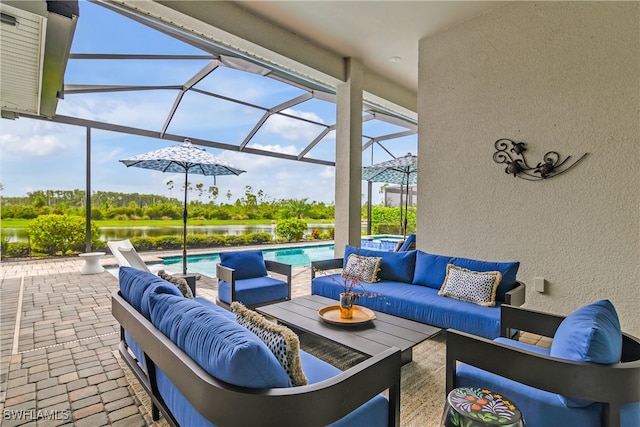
[22,53]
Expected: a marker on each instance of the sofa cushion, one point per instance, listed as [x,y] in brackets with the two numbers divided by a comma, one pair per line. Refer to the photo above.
[431,270]
[419,303]
[538,407]
[471,286]
[247,264]
[590,334]
[282,342]
[135,286]
[395,266]
[373,413]
[217,343]
[179,282]
[362,268]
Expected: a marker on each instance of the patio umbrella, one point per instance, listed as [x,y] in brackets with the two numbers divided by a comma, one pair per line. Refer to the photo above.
[184,157]
[401,170]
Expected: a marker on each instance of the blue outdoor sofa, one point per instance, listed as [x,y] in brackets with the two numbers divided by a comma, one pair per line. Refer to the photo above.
[200,367]
[409,283]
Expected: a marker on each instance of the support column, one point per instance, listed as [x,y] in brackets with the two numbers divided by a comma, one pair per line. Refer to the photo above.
[349,157]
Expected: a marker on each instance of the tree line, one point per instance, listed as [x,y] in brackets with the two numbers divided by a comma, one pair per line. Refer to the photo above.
[131,206]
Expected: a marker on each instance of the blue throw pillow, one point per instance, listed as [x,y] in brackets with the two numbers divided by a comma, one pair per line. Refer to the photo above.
[590,334]
[247,264]
[394,267]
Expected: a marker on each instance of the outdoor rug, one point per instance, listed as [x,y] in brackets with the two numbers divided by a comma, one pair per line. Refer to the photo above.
[422,393]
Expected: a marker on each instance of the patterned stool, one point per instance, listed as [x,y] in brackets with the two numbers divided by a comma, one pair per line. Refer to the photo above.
[476,407]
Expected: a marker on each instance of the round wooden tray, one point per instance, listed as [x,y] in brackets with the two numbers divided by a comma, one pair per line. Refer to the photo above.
[361,315]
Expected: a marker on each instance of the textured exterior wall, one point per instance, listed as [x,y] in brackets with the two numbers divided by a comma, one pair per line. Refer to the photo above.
[562,76]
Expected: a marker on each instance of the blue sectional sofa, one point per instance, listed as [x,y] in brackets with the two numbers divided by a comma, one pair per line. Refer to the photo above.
[409,283]
[200,367]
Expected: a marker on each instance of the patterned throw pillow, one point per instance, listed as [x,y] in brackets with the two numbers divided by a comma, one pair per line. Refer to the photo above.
[180,283]
[472,286]
[363,268]
[283,343]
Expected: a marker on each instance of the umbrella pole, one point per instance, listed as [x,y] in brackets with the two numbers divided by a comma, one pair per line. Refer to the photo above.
[184,223]
[406,207]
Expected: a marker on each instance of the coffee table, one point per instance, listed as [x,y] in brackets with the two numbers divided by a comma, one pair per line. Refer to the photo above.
[371,338]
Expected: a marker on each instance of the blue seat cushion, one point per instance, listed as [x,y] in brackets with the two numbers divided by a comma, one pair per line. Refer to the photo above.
[135,286]
[247,264]
[419,303]
[395,266]
[538,407]
[590,334]
[217,343]
[431,270]
[254,291]
[373,413]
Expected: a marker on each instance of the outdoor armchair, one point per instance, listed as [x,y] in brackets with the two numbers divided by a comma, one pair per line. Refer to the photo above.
[547,387]
[243,276]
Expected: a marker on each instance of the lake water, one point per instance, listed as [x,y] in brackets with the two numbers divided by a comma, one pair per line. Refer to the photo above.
[121,233]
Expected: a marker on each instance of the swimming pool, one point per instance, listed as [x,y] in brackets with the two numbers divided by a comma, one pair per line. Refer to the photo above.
[298,257]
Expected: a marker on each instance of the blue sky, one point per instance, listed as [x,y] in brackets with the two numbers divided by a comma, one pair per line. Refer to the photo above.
[40,155]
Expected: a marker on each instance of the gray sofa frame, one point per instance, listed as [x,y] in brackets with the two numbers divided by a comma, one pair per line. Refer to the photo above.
[229,275]
[612,385]
[223,404]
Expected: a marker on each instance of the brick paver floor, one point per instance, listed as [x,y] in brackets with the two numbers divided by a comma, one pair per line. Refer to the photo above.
[57,343]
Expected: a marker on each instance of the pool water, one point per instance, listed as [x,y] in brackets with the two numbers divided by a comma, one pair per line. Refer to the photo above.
[297,257]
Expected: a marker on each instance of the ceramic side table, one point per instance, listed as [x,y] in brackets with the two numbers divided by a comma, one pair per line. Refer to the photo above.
[91,263]
[477,407]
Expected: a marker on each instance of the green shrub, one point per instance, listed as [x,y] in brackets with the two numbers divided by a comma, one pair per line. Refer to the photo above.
[291,229]
[16,249]
[63,234]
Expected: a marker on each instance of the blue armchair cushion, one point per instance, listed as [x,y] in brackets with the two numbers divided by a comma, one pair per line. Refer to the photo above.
[254,291]
[590,334]
[216,342]
[431,270]
[247,264]
[395,266]
[471,286]
[283,343]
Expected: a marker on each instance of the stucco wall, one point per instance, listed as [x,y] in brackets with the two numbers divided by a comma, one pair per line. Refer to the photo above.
[562,76]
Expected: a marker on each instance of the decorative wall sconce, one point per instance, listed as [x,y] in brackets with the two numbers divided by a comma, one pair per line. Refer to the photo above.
[517,164]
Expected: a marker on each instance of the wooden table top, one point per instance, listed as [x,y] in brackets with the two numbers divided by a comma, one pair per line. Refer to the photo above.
[370,338]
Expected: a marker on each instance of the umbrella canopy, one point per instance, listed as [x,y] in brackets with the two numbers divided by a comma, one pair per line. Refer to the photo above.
[183,158]
[401,170]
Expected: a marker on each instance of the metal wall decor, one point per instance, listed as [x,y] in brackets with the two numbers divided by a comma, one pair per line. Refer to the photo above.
[511,153]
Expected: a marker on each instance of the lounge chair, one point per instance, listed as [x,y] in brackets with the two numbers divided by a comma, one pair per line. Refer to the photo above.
[127,256]
[408,244]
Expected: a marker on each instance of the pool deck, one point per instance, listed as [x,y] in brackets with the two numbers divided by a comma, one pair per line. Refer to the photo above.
[58,344]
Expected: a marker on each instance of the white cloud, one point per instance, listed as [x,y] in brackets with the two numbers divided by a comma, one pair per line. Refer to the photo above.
[32,145]
[292,129]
